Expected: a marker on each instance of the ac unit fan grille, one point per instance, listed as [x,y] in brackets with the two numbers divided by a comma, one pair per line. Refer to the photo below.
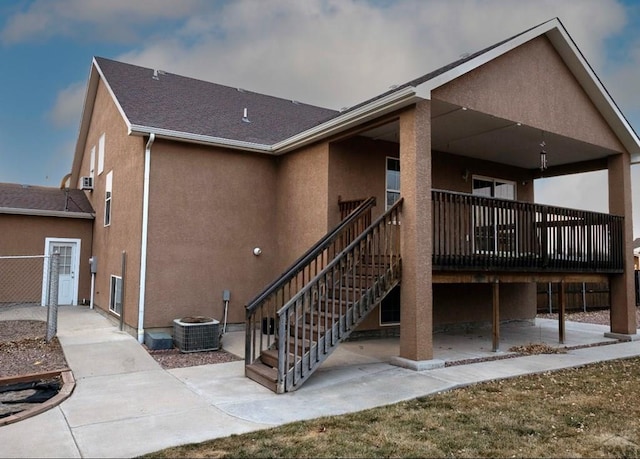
[196,337]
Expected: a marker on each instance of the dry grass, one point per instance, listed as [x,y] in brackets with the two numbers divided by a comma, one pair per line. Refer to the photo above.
[593,411]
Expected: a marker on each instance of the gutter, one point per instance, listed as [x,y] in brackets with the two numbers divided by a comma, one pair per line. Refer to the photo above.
[46,213]
[389,103]
[348,119]
[145,230]
[137,129]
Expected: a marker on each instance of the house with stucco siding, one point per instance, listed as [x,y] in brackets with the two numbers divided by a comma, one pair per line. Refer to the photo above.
[408,213]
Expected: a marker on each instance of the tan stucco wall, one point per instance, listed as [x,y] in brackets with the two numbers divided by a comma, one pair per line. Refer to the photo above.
[25,235]
[448,172]
[357,169]
[531,84]
[209,209]
[302,193]
[472,303]
[124,155]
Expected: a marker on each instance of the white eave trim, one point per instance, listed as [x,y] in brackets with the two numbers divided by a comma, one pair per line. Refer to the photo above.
[135,129]
[391,102]
[46,213]
[378,107]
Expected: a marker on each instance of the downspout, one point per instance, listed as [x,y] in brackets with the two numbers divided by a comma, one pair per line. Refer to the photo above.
[143,245]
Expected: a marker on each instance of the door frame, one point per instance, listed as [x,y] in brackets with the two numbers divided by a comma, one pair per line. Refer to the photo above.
[45,268]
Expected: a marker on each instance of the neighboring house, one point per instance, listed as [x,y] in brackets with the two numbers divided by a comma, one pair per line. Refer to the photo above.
[636,254]
[38,220]
[207,188]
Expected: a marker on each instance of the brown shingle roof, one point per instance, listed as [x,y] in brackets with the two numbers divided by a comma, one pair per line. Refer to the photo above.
[182,104]
[37,198]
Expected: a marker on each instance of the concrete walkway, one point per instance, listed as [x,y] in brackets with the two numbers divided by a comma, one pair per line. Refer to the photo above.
[125,404]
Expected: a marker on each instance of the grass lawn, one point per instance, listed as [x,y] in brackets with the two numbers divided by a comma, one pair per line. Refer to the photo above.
[592,411]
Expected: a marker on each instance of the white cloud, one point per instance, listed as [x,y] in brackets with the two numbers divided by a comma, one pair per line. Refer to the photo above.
[336,52]
[68,106]
[115,20]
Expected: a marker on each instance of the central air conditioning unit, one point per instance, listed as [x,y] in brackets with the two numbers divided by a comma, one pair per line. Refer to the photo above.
[195,334]
[86,183]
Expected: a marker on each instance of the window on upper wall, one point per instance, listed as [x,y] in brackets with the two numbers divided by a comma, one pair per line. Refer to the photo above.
[92,165]
[393,182]
[107,199]
[101,154]
[115,295]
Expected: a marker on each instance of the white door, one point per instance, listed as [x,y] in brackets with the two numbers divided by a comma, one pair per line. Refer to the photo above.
[69,260]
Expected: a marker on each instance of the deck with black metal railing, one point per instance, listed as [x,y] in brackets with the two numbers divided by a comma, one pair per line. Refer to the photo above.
[477,233]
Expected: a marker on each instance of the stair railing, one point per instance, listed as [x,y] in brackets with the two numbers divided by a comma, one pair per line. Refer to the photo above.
[261,311]
[337,299]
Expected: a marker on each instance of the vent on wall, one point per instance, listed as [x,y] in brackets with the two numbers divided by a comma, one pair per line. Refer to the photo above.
[86,183]
[193,334]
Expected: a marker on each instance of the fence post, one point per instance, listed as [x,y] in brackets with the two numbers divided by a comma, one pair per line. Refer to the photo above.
[52,303]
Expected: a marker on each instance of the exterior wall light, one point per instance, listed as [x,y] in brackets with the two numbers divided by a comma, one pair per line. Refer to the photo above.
[257,251]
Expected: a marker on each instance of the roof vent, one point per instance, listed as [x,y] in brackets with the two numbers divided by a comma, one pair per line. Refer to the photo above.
[393,86]
[157,73]
[295,102]
[245,118]
[240,90]
[344,108]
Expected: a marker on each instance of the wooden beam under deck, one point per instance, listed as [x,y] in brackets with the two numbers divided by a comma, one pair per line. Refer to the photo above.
[496,317]
[459,277]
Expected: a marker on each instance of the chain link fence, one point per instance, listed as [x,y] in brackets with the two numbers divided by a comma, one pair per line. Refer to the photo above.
[23,279]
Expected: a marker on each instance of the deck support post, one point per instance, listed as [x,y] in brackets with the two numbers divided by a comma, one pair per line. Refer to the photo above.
[621,286]
[562,302]
[496,316]
[416,297]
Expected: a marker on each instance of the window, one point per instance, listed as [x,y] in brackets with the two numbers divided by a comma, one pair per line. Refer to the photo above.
[390,308]
[92,166]
[494,229]
[393,182]
[107,199]
[115,296]
[101,154]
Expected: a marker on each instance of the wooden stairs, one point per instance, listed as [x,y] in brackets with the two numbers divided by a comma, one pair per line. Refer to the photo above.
[333,299]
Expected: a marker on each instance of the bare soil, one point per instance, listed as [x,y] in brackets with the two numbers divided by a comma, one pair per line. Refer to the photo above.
[23,349]
[173,358]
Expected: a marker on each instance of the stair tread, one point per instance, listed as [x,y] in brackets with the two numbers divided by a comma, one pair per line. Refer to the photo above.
[263,370]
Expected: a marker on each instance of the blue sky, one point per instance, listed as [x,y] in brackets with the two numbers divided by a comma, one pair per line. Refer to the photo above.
[333,53]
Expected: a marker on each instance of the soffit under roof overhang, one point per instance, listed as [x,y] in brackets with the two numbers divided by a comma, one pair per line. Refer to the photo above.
[465,132]
[458,130]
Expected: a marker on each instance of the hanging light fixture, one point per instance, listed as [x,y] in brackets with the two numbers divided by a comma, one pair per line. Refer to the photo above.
[543,156]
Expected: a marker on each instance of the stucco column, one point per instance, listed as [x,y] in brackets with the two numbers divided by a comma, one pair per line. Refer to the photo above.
[416,329]
[623,314]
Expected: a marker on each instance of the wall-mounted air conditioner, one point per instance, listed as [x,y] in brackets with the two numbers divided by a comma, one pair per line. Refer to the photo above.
[86,183]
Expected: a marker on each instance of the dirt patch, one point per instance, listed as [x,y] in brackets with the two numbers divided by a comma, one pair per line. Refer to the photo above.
[23,349]
[537,348]
[173,358]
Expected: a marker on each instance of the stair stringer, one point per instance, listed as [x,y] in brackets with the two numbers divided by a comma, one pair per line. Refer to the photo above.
[321,350]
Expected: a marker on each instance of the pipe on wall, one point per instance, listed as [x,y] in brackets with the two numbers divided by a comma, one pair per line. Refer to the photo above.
[143,245]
